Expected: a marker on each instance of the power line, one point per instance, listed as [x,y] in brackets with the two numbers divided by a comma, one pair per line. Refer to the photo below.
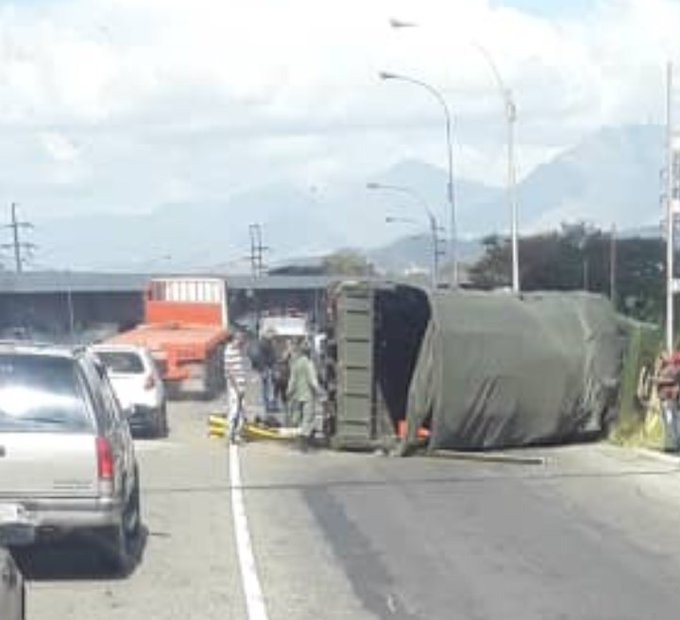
[20,249]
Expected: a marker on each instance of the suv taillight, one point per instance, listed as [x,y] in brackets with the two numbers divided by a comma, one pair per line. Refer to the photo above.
[150,382]
[104,459]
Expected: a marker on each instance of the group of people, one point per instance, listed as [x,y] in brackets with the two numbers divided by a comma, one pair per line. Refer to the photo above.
[289,384]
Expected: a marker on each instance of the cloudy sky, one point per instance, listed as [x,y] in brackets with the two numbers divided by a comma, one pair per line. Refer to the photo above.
[125,105]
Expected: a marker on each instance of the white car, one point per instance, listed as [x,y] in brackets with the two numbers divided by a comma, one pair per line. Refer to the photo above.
[67,460]
[138,386]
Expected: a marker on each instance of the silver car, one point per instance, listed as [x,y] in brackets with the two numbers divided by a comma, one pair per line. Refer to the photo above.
[67,461]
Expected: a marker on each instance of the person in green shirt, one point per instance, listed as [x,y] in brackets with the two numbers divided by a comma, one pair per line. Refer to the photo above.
[303,388]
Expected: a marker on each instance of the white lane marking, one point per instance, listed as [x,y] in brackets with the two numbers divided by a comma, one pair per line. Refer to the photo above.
[252,590]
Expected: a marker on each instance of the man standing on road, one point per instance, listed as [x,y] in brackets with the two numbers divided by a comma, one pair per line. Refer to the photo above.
[266,358]
[303,388]
[236,385]
[280,380]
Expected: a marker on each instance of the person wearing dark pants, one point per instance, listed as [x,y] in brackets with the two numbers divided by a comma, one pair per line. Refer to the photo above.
[266,359]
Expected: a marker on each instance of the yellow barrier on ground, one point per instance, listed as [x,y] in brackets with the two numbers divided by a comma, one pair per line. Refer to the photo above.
[217,426]
[253,431]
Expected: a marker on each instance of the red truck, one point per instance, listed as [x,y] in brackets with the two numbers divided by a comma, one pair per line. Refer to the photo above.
[185,328]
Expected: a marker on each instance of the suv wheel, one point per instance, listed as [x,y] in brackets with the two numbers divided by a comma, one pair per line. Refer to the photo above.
[120,540]
[116,550]
[132,516]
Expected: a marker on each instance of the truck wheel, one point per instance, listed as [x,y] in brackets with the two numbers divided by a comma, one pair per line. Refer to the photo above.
[162,428]
[166,426]
[172,390]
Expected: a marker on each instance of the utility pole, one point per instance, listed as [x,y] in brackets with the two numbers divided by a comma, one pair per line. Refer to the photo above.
[252,256]
[672,204]
[612,265]
[434,231]
[257,250]
[15,238]
[586,274]
[437,251]
[17,246]
[257,266]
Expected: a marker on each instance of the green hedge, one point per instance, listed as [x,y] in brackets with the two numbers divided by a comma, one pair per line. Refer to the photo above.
[644,343]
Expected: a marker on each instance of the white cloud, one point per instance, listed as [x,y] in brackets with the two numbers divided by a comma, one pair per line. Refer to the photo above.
[170,99]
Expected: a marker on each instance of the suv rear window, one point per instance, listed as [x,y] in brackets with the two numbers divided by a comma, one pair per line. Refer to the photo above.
[122,362]
[41,394]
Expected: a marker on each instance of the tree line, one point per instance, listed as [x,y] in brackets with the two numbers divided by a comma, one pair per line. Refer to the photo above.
[575,257]
[579,257]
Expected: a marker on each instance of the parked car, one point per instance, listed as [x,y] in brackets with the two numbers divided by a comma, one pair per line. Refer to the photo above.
[138,386]
[12,588]
[67,460]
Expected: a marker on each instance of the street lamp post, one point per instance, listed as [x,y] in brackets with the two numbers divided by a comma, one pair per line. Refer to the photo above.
[453,232]
[510,118]
[510,111]
[431,219]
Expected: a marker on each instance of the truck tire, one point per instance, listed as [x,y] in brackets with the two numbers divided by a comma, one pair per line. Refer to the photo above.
[164,426]
[159,428]
[172,390]
[214,379]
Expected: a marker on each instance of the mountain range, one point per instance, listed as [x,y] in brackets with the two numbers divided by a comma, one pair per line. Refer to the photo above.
[611,176]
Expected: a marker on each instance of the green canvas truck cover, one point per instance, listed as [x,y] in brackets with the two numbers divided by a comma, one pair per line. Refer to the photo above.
[497,370]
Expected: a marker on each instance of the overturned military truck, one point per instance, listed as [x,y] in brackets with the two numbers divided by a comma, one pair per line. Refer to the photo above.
[470,370]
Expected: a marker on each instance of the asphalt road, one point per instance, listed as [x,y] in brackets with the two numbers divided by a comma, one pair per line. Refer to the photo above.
[592,533]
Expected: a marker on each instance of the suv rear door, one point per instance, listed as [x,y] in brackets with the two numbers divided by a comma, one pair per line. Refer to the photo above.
[112,425]
[47,428]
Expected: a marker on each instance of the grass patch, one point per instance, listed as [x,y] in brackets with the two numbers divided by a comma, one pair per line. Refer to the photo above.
[638,423]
